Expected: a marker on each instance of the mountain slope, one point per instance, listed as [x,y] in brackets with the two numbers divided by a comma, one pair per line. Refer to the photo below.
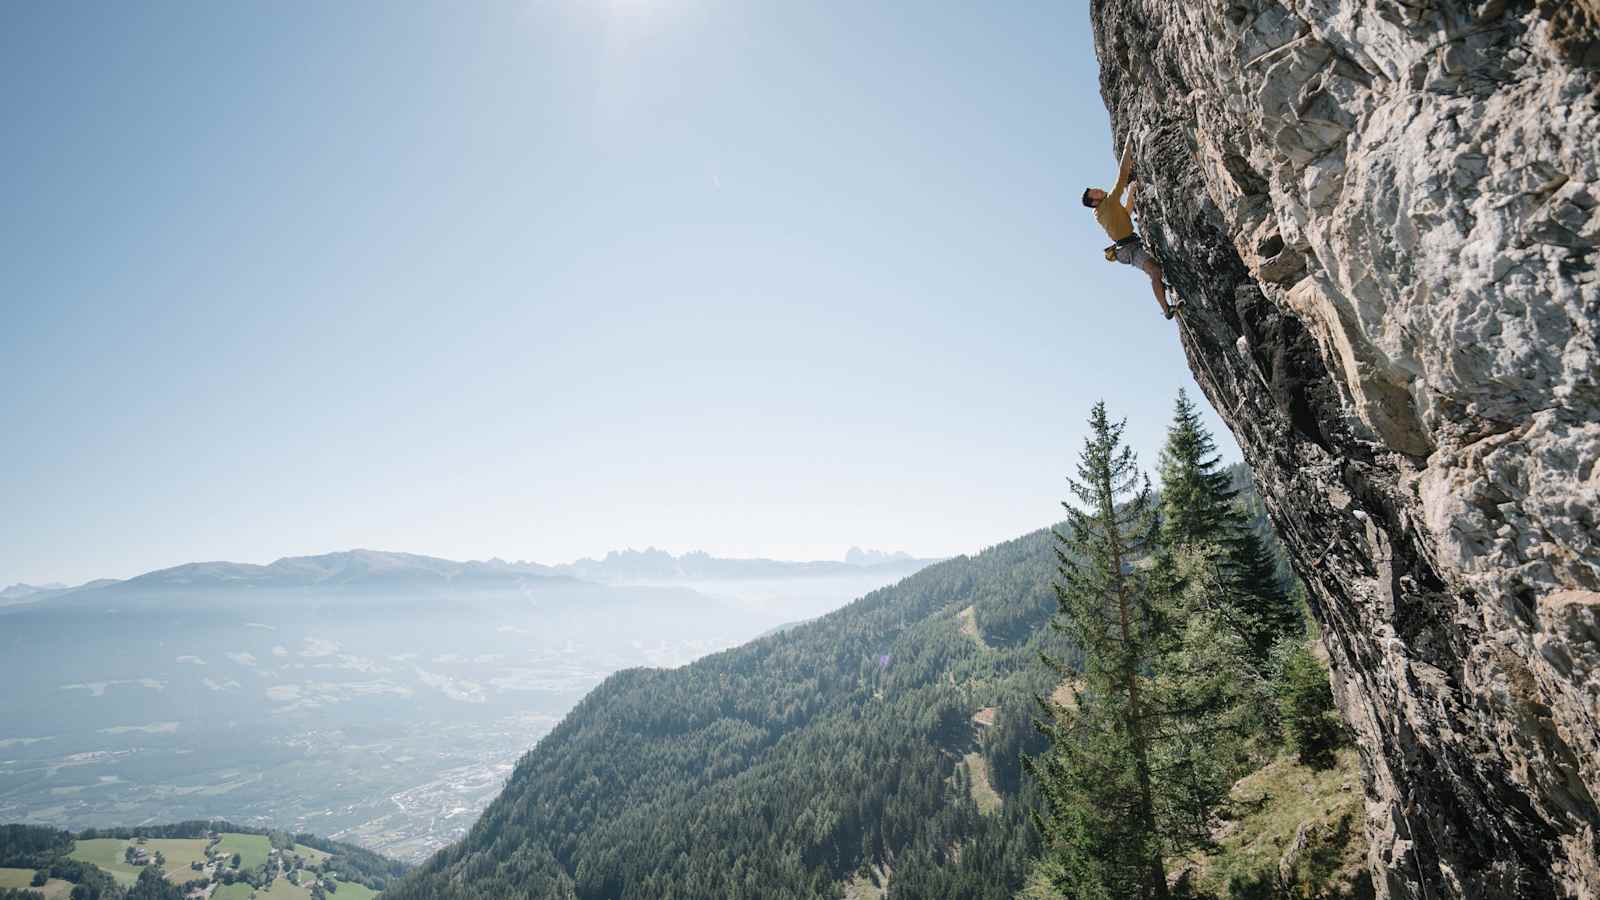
[779,768]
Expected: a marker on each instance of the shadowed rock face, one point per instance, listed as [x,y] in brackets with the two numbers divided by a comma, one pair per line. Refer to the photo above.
[1384,218]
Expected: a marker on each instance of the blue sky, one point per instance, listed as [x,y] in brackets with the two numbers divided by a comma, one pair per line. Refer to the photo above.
[537,280]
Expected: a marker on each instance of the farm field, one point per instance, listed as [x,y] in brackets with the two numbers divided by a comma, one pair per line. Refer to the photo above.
[107,854]
[348,891]
[54,889]
[179,853]
[252,848]
[239,891]
[282,889]
[312,855]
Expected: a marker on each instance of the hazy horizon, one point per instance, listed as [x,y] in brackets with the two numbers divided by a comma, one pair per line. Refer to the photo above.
[540,280]
[514,560]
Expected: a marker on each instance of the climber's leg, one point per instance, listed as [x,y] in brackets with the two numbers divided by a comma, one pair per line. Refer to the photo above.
[1132,253]
[1159,286]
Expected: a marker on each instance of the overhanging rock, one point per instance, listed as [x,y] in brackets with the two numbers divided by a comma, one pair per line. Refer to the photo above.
[1384,218]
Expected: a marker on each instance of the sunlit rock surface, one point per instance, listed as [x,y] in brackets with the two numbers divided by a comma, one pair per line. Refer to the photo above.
[1384,218]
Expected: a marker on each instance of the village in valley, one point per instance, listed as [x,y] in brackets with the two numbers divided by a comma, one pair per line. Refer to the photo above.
[216,866]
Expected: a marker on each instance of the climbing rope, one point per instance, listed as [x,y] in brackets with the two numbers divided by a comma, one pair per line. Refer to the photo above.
[1184,326]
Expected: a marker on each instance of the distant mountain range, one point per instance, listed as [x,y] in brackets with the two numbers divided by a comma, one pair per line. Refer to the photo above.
[30,593]
[377,568]
[653,564]
[21,591]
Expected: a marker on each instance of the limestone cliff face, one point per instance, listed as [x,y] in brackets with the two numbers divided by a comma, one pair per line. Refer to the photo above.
[1384,216]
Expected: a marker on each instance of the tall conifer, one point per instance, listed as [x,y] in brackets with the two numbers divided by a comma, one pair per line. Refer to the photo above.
[1097,780]
[1196,493]
[1199,511]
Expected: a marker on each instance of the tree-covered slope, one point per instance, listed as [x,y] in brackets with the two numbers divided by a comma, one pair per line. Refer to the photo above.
[784,767]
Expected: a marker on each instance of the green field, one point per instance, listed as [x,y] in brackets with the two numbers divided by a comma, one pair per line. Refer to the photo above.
[983,793]
[237,891]
[54,889]
[311,855]
[107,854]
[348,891]
[179,852]
[282,889]
[252,848]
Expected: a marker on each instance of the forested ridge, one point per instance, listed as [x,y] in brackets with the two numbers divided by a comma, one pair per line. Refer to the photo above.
[787,767]
[778,768]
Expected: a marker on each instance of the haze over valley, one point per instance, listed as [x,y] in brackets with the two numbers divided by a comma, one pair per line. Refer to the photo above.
[378,697]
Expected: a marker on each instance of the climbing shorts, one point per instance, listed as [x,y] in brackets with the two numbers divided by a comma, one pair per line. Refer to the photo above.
[1131,252]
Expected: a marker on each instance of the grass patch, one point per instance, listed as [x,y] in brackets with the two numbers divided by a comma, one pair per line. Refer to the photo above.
[252,848]
[22,879]
[969,626]
[872,884]
[107,854]
[1286,806]
[236,891]
[179,853]
[283,889]
[983,793]
[1281,806]
[1065,694]
[350,891]
[311,855]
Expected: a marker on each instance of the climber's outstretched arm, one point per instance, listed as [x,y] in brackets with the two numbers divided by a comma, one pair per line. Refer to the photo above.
[1124,168]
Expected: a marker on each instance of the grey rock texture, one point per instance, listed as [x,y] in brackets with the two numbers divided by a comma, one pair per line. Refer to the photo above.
[1384,217]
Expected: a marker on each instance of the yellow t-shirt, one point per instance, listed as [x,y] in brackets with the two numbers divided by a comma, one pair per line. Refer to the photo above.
[1113,217]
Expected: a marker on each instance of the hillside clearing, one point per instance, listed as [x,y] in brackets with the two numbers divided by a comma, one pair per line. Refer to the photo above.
[1065,695]
[981,789]
[311,855]
[1297,820]
[252,848]
[22,879]
[179,853]
[969,626]
[350,891]
[284,889]
[107,854]
[870,885]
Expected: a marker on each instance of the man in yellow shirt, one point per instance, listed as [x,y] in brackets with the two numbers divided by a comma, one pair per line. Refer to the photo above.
[1114,217]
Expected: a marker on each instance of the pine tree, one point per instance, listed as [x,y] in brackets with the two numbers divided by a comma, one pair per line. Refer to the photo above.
[1276,613]
[1196,493]
[1199,512]
[1097,779]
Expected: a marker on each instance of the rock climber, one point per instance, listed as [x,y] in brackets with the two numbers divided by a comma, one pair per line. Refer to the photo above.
[1114,217]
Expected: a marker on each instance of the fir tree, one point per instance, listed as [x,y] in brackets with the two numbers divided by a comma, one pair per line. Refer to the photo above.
[1097,780]
[1276,614]
[1142,760]
[1196,492]
[1199,512]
